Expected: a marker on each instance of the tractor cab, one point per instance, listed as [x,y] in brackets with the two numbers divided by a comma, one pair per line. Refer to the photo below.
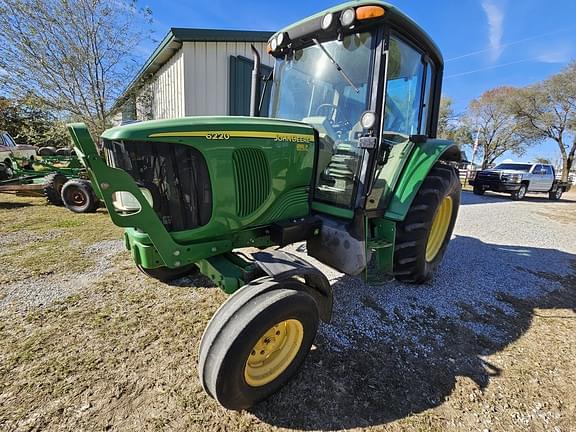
[367,79]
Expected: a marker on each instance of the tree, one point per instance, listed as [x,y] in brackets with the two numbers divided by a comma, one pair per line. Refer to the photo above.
[542,160]
[27,123]
[73,56]
[490,118]
[548,111]
[450,126]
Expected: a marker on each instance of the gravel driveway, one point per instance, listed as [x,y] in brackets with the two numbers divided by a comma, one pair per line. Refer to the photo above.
[489,344]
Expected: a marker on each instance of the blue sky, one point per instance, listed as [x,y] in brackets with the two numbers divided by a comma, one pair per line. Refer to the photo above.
[486,43]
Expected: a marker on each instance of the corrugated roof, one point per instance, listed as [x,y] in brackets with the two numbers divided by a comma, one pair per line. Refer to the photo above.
[172,42]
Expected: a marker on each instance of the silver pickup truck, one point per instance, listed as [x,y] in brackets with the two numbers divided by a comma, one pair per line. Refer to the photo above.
[518,179]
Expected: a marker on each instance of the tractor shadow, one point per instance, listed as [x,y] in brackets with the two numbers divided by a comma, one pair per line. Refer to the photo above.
[13,205]
[395,350]
[469,198]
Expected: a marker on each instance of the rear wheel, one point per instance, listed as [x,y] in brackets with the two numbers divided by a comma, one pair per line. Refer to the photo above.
[167,274]
[250,350]
[52,188]
[79,197]
[556,195]
[520,193]
[422,238]
[478,190]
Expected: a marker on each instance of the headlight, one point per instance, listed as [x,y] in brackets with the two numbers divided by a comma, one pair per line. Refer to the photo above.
[512,178]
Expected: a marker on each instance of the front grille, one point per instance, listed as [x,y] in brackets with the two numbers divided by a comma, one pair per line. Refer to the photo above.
[176,176]
[489,176]
[252,179]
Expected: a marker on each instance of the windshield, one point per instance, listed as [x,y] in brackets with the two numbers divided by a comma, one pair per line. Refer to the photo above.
[309,87]
[515,167]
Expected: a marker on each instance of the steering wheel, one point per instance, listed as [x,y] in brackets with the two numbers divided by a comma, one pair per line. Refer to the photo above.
[326,105]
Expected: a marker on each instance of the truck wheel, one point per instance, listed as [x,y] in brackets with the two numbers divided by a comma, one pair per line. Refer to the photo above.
[520,193]
[556,195]
[46,151]
[79,197]
[167,274]
[52,188]
[478,190]
[422,237]
[251,349]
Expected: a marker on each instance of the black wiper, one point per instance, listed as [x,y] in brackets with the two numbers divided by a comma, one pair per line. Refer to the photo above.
[335,63]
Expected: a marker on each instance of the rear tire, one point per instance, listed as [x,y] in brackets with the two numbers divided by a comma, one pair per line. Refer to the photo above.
[520,193]
[167,274]
[478,190]
[52,188]
[422,237]
[79,197]
[252,349]
[556,195]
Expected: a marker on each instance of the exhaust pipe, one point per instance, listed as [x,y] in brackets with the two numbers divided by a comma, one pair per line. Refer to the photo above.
[256,84]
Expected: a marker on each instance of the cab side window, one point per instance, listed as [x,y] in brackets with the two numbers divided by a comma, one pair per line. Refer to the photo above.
[409,89]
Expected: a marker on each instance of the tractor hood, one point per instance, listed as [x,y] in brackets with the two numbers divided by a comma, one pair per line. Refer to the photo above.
[212,128]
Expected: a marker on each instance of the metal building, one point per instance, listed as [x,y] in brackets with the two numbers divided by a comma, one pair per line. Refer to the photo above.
[195,72]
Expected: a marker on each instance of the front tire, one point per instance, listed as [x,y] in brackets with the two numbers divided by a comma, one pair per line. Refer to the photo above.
[520,193]
[478,190]
[250,350]
[422,237]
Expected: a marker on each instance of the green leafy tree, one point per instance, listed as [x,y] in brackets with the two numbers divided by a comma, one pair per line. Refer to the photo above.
[493,121]
[27,123]
[548,111]
[73,56]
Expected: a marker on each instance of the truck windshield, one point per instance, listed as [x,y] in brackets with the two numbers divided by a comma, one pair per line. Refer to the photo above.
[515,167]
[309,87]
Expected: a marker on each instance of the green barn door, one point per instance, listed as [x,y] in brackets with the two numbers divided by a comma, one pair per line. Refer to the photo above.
[240,83]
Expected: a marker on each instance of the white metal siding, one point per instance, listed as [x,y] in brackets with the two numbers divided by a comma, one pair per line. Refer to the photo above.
[206,74]
[167,89]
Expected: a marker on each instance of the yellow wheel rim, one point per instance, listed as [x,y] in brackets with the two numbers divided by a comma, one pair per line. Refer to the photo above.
[273,353]
[439,229]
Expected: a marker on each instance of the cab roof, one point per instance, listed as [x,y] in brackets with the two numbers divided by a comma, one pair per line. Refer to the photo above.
[392,15]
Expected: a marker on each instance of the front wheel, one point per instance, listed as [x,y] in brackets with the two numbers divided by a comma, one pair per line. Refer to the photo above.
[520,193]
[250,350]
[478,190]
[422,237]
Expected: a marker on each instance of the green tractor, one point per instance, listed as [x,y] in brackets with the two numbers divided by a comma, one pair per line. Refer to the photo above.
[347,162]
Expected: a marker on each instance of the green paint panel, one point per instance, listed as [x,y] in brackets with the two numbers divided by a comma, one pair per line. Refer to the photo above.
[270,181]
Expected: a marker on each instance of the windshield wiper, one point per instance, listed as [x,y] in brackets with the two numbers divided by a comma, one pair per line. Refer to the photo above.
[335,63]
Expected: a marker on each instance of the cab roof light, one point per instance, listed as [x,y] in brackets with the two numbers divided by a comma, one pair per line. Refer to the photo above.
[369,12]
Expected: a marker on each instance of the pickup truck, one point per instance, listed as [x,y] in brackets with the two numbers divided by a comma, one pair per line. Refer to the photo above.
[518,179]
[10,152]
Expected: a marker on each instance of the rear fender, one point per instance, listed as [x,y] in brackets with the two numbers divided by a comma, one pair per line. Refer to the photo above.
[420,162]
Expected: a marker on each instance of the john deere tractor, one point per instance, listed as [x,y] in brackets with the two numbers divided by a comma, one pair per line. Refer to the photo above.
[347,162]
